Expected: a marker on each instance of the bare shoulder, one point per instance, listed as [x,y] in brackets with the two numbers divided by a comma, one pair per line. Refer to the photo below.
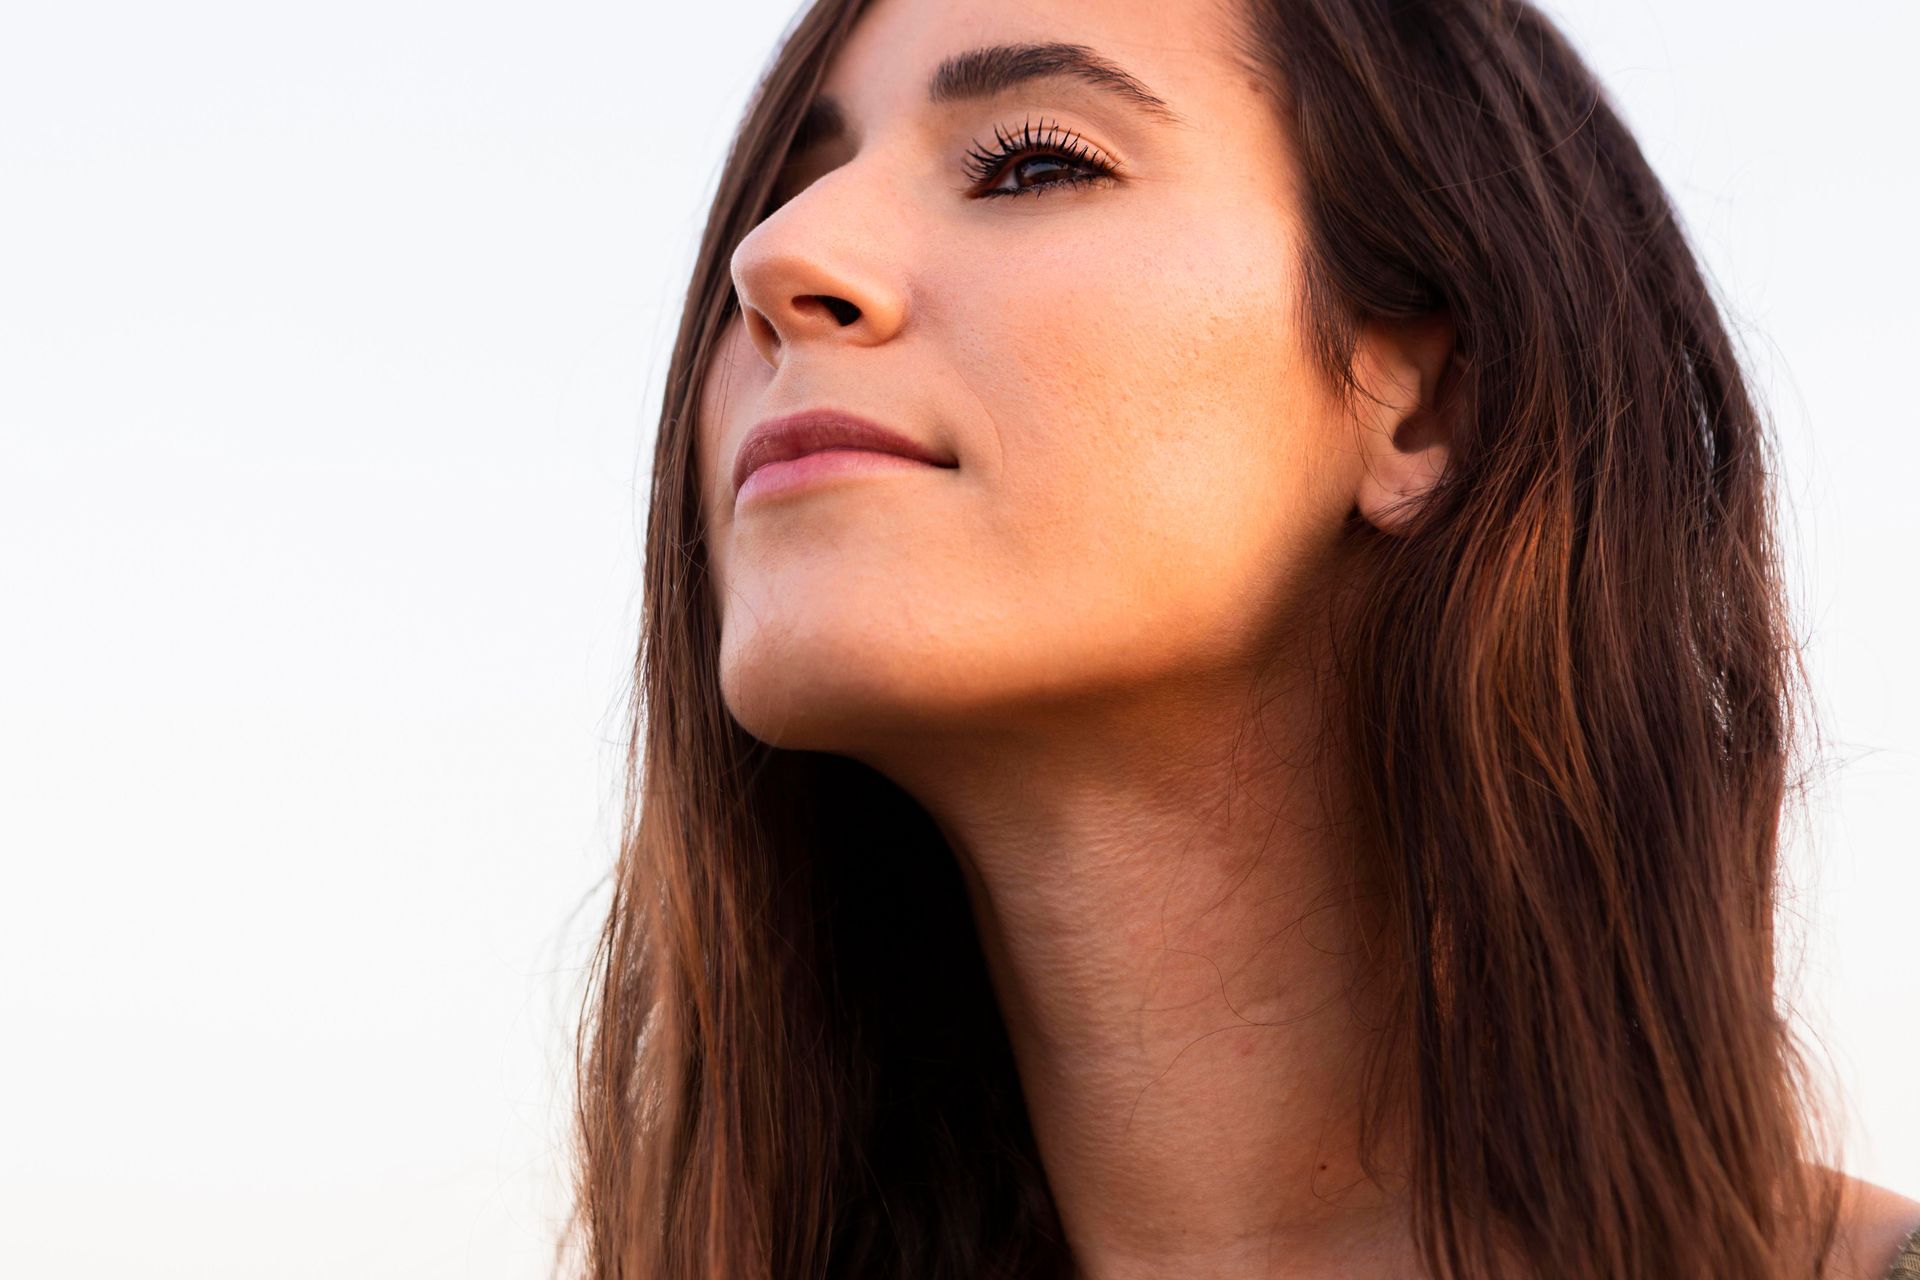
[1874,1223]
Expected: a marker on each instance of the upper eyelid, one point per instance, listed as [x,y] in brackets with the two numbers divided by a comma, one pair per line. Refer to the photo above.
[1056,130]
[826,119]
[1041,132]
[1045,137]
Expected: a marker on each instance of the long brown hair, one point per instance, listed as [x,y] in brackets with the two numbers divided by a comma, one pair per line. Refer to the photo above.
[1570,707]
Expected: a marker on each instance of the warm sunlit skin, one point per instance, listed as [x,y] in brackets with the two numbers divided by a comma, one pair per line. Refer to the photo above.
[1089,650]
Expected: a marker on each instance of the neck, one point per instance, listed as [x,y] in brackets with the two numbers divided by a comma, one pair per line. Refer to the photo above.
[1183,948]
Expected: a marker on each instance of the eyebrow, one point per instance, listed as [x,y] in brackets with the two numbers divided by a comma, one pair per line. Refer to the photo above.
[981,73]
[984,72]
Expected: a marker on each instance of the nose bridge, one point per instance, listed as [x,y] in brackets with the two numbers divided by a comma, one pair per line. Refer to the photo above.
[823,266]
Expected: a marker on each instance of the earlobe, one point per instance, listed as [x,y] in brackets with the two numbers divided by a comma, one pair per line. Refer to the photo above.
[1403,371]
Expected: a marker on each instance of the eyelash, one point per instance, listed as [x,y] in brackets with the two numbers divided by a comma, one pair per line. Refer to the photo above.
[1049,141]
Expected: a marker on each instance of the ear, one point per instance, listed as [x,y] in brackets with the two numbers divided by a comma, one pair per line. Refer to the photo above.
[1405,371]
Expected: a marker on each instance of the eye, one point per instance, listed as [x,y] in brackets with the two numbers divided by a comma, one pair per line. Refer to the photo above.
[1036,159]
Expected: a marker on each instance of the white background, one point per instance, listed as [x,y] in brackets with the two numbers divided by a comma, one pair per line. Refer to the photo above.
[331,338]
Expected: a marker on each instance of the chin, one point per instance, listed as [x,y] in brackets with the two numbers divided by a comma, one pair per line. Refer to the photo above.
[844,690]
[808,701]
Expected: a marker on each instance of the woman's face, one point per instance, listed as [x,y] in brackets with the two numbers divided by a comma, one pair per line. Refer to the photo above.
[1150,472]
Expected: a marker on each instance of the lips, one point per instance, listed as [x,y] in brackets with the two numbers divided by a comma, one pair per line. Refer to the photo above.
[798,434]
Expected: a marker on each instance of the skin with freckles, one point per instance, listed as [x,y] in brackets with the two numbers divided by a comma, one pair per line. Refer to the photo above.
[1093,649]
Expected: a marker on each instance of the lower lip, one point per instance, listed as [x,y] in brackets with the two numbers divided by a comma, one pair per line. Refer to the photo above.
[809,469]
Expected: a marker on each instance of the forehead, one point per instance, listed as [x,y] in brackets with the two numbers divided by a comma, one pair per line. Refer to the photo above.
[1179,49]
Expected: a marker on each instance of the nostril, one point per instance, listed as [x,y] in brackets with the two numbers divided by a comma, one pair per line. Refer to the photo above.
[843,311]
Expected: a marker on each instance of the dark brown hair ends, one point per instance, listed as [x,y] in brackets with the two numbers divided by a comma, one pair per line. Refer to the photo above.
[1569,701]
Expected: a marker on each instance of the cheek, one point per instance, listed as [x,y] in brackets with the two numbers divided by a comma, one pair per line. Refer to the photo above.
[1164,471]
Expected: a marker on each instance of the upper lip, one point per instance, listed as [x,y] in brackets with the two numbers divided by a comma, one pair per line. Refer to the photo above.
[797,434]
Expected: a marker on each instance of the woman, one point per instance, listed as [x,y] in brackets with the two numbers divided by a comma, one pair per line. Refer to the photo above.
[1214,697]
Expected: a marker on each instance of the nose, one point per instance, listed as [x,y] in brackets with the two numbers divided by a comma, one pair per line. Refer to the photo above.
[814,270]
